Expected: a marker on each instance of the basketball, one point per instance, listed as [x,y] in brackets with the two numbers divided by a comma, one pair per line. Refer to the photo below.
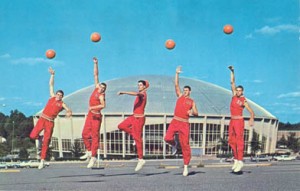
[95,37]
[228,29]
[170,44]
[50,53]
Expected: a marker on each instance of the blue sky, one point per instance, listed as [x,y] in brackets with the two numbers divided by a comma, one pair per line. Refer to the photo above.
[264,47]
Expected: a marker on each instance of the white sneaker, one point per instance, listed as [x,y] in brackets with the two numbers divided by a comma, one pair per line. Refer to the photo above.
[185,170]
[140,164]
[234,164]
[42,164]
[239,166]
[174,148]
[87,155]
[92,162]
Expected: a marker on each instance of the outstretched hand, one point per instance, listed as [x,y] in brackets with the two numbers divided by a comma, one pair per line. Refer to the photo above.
[178,69]
[51,71]
[231,68]
[95,60]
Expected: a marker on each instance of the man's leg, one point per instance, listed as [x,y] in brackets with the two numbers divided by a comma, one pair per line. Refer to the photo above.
[86,135]
[232,142]
[47,138]
[184,135]
[126,125]
[239,129]
[96,123]
[137,131]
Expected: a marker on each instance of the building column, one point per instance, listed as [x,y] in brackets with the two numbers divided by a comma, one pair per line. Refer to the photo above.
[222,131]
[260,133]
[204,134]
[104,137]
[164,134]
[57,127]
[250,139]
[123,140]
[267,150]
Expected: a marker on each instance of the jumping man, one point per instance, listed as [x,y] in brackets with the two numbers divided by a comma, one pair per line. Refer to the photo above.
[91,129]
[133,125]
[185,107]
[236,125]
[46,120]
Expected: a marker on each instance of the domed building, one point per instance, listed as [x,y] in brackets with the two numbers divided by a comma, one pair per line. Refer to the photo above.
[207,131]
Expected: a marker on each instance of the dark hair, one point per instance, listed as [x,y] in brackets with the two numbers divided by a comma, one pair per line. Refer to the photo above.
[60,91]
[143,82]
[103,84]
[239,86]
[188,87]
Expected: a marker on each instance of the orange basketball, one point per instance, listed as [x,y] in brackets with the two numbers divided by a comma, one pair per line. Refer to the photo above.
[228,29]
[50,53]
[95,37]
[170,44]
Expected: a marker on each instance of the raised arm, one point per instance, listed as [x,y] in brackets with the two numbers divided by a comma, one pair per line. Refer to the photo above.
[251,121]
[68,110]
[96,72]
[177,88]
[51,82]
[232,80]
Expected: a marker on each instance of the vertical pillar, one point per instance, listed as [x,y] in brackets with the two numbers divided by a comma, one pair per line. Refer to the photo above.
[204,134]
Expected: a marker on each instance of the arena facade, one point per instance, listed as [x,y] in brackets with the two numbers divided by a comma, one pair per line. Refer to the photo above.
[207,130]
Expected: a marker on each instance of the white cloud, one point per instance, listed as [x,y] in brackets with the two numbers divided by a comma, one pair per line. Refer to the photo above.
[2,98]
[30,103]
[257,81]
[5,55]
[257,93]
[267,30]
[34,61]
[249,36]
[289,95]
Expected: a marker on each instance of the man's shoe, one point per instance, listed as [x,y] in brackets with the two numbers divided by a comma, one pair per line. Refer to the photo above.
[174,148]
[140,164]
[87,155]
[239,166]
[185,170]
[235,163]
[92,162]
[42,164]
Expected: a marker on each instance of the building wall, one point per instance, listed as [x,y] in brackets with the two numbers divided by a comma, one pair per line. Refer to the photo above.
[206,131]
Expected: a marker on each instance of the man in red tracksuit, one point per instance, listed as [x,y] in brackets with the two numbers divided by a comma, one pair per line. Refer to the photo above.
[133,125]
[185,106]
[91,129]
[236,125]
[46,120]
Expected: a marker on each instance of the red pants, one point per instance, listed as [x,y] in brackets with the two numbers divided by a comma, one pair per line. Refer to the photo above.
[91,130]
[183,129]
[236,138]
[134,127]
[47,126]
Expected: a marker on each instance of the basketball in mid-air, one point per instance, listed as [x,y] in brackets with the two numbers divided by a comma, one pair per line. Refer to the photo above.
[170,44]
[228,29]
[50,53]
[95,37]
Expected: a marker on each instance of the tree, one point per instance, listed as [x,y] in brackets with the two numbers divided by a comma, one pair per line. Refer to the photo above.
[293,142]
[223,145]
[282,142]
[255,143]
[23,153]
[76,150]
